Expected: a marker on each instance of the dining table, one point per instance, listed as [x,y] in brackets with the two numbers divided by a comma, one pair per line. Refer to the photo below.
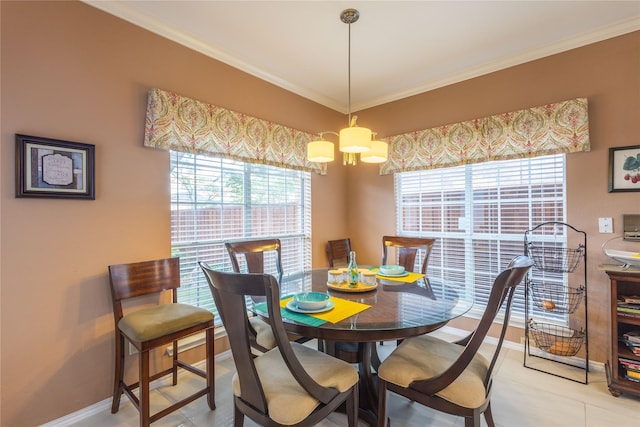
[392,309]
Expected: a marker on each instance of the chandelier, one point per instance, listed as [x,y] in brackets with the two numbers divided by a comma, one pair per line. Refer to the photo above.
[353,140]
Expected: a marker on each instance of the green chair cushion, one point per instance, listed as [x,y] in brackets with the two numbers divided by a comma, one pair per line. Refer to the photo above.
[154,322]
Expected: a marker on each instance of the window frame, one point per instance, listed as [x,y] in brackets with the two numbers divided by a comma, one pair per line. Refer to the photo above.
[211,192]
[458,194]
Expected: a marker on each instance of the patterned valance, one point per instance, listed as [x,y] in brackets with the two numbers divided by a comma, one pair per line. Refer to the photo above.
[562,127]
[183,124]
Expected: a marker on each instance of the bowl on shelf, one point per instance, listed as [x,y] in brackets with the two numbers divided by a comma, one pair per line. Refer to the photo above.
[391,270]
[311,300]
[626,258]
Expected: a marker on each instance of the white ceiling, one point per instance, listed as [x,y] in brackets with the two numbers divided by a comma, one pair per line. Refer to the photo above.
[398,48]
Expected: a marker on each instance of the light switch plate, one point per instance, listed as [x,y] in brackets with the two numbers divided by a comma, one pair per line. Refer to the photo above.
[605,225]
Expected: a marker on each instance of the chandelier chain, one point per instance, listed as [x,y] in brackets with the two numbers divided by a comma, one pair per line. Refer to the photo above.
[349,72]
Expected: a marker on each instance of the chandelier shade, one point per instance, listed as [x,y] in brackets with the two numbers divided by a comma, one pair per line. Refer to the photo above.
[320,151]
[353,140]
[378,154]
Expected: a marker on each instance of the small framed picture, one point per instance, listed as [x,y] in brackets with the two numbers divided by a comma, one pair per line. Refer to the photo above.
[624,168]
[54,168]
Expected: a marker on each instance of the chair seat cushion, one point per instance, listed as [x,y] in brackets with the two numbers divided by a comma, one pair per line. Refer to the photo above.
[288,403]
[154,322]
[425,357]
[264,334]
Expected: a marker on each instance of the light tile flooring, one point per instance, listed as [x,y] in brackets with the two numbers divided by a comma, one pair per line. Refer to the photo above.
[521,397]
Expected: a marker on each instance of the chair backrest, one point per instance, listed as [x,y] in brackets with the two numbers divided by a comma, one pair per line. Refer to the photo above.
[143,278]
[254,252]
[230,290]
[338,252]
[407,249]
[502,291]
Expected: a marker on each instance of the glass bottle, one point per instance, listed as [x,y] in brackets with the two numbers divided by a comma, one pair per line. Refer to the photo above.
[352,270]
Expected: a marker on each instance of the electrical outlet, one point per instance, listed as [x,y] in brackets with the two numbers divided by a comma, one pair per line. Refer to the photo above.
[605,225]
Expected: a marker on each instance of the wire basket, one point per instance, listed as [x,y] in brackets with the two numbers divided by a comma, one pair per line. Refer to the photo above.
[558,260]
[556,339]
[555,298]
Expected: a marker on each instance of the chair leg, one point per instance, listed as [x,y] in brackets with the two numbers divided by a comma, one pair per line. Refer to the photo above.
[238,416]
[382,403]
[118,374]
[175,363]
[352,407]
[211,374]
[144,389]
[488,416]
[472,421]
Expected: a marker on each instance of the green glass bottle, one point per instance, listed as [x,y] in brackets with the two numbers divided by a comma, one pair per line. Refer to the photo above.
[352,270]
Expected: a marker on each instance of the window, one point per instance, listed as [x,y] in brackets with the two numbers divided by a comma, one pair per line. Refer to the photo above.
[214,200]
[479,213]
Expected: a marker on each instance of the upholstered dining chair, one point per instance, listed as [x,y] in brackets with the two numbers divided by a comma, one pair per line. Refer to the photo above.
[291,384]
[249,256]
[338,252]
[452,377]
[407,250]
[152,327]
[255,253]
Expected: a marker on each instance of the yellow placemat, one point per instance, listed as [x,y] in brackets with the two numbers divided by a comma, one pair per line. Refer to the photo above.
[409,278]
[342,309]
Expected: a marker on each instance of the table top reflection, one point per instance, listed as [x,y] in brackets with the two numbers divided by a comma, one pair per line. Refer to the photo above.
[398,310]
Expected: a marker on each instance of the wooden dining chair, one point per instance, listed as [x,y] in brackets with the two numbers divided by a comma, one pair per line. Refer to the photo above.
[291,384]
[407,249]
[452,377]
[338,256]
[249,256]
[258,256]
[152,327]
[338,252]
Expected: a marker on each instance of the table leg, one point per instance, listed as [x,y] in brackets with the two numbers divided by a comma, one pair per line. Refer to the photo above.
[366,356]
[368,383]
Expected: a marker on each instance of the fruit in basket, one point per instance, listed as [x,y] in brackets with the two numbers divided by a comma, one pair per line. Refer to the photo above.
[561,348]
[548,304]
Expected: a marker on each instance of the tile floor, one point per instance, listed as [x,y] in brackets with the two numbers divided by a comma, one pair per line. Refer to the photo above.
[521,398]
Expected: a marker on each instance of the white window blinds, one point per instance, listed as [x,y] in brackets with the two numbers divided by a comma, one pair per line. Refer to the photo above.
[479,213]
[214,200]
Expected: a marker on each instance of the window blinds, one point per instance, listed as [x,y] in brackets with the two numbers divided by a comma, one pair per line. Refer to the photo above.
[214,200]
[479,213]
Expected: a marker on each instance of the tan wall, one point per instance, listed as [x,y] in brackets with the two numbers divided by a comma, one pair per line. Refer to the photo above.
[69,71]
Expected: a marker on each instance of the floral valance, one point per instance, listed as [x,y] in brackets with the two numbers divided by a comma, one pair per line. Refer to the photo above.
[562,127]
[183,124]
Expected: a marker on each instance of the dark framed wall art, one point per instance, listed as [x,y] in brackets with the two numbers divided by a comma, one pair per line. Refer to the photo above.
[624,168]
[54,168]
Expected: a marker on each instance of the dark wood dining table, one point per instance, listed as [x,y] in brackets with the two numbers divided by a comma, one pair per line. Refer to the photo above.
[397,310]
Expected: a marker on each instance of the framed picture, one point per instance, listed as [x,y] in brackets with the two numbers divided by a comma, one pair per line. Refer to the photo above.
[624,168]
[53,168]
